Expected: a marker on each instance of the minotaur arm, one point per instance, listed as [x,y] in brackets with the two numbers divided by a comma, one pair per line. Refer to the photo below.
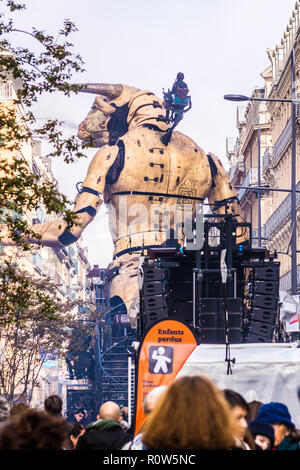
[56,232]
[222,195]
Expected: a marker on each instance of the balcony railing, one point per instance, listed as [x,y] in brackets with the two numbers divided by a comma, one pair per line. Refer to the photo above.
[283,141]
[38,261]
[236,169]
[285,280]
[281,213]
[267,158]
[250,179]
[58,280]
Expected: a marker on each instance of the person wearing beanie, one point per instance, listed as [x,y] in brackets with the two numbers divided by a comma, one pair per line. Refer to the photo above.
[262,433]
[277,414]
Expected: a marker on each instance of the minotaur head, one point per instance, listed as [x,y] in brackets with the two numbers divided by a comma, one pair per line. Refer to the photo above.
[116,109]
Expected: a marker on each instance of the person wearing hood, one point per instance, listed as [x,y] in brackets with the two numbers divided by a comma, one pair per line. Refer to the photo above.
[262,433]
[106,433]
[286,436]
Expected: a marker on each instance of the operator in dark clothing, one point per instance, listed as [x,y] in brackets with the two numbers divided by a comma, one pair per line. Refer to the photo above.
[106,433]
[179,83]
[177,102]
[178,95]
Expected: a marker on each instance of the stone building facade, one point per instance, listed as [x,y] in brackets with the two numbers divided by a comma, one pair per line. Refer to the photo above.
[67,267]
[261,155]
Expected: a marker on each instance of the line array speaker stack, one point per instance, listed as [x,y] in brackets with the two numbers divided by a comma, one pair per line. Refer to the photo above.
[153,295]
[212,320]
[264,303]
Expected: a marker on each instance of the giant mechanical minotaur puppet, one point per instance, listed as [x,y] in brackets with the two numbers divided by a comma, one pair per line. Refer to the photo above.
[133,170]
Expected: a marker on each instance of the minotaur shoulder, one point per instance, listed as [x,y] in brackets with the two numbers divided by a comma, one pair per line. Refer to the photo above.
[99,167]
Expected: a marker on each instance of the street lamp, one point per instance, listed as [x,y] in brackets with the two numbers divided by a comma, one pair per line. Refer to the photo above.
[294,102]
[253,98]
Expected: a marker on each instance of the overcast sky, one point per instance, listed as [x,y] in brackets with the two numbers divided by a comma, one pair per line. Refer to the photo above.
[220,45]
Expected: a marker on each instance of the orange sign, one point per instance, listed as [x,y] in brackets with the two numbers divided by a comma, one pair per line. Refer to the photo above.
[163,350]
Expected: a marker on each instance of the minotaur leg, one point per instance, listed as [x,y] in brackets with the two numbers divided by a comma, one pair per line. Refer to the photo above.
[165,139]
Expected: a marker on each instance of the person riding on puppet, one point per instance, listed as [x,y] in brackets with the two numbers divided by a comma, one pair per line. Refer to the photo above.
[177,101]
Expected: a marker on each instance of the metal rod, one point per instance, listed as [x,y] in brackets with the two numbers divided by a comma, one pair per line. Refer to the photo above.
[293,181]
[129,390]
[264,188]
[195,299]
[234,285]
[258,183]
[279,100]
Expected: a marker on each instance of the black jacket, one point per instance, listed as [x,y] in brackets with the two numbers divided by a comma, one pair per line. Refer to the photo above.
[104,434]
[178,84]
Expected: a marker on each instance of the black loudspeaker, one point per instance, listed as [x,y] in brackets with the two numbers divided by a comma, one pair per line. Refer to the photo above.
[154,296]
[267,287]
[264,315]
[152,302]
[251,338]
[182,291]
[267,273]
[265,296]
[153,288]
[153,273]
[261,329]
[212,320]
[265,301]
[182,311]
[151,316]
[217,336]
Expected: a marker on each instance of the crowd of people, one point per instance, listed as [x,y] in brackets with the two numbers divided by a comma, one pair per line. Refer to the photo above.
[192,413]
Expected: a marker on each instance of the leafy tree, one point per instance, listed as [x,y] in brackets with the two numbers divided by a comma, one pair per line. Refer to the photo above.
[33,319]
[44,70]
[34,323]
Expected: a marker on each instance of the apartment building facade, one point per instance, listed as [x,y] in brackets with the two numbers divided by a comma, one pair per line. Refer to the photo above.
[261,156]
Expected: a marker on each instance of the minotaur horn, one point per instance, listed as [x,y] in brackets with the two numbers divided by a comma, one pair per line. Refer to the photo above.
[105,89]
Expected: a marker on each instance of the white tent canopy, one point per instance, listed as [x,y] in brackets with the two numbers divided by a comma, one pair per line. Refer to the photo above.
[264,372]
